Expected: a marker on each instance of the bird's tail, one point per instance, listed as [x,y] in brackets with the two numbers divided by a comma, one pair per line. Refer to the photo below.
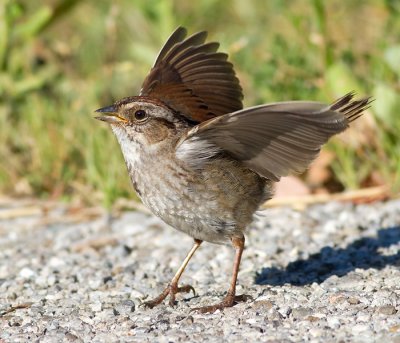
[351,109]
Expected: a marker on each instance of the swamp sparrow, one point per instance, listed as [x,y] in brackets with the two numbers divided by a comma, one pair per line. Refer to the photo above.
[201,162]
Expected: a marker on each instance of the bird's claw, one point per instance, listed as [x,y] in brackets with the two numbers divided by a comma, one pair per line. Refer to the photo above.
[229,301]
[170,290]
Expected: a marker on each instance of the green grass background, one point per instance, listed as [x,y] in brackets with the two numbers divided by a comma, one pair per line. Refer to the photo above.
[62,59]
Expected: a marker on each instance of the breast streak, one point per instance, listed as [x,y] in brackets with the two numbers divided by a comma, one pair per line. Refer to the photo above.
[212,204]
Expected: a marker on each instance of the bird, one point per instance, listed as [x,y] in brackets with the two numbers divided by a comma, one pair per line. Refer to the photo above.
[203,163]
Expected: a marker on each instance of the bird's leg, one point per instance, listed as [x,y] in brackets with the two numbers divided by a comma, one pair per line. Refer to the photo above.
[230,298]
[173,287]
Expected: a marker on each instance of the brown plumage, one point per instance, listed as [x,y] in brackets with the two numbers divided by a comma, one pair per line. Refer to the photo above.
[202,163]
[194,79]
[275,139]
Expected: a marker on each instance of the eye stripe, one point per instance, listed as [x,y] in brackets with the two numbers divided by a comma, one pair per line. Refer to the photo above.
[166,123]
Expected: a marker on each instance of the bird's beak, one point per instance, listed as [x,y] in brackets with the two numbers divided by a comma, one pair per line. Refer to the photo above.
[110,115]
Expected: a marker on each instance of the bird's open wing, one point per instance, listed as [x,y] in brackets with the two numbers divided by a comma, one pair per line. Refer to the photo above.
[272,140]
[194,79]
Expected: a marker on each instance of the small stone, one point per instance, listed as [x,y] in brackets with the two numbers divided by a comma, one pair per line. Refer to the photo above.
[15,321]
[251,321]
[353,301]
[125,307]
[37,309]
[53,325]
[70,337]
[95,284]
[333,322]
[319,315]
[136,294]
[358,328]
[56,262]
[41,281]
[107,279]
[387,309]
[189,320]
[51,280]
[26,273]
[276,323]
[127,249]
[364,318]
[301,312]
[315,332]
[96,307]
[87,320]
[141,329]
[273,315]
[394,328]
[262,305]
[335,299]
[285,311]
[163,324]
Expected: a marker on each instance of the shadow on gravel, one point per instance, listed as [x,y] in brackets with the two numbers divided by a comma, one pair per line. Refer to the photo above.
[362,253]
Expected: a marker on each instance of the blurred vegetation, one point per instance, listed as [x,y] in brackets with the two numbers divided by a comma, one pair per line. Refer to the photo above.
[62,59]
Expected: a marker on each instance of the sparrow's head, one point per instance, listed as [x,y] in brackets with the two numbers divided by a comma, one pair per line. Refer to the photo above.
[142,119]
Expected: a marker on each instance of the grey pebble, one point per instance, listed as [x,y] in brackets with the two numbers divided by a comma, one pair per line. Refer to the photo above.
[301,312]
[387,310]
[327,274]
[125,307]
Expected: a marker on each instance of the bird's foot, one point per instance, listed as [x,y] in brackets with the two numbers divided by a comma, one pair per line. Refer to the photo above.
[229,301]
[171,290]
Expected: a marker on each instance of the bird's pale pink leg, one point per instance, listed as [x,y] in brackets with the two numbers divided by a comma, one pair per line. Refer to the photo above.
[230,298]
[173,287]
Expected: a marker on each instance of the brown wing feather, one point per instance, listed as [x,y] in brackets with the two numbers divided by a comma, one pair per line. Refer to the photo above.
[177,36]
[194,79]
[273,140]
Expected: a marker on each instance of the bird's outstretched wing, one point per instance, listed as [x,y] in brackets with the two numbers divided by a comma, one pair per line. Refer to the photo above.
[194,79]
[272,140]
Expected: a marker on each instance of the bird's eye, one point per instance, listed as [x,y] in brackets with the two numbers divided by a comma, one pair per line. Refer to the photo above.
[140,115]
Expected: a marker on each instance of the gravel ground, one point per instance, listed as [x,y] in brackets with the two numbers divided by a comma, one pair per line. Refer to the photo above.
[327,274]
